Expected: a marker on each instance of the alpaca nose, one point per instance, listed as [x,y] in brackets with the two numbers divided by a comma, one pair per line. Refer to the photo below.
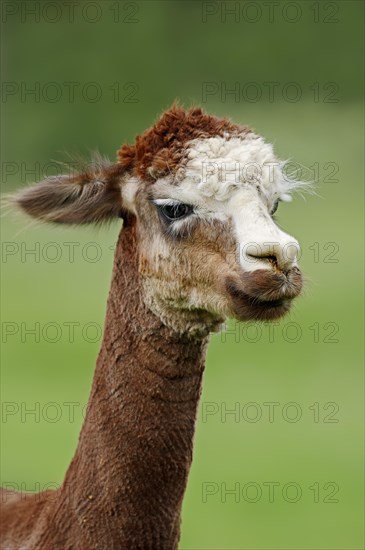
[281,254]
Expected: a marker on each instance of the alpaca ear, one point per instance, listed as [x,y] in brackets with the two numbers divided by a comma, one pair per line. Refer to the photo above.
[93,196]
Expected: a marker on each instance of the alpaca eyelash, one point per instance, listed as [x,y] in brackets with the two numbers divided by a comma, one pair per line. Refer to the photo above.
[274,207]
[167,202]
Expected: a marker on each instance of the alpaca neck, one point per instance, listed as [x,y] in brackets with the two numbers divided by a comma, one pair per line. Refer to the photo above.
[129,473]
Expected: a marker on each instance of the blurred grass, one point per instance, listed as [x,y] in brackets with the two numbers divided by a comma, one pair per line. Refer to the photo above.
[167,60]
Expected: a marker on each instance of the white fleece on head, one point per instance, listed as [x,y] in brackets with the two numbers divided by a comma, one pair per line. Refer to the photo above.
[219,165]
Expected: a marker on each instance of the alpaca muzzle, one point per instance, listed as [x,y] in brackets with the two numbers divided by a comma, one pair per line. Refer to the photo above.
[262,294]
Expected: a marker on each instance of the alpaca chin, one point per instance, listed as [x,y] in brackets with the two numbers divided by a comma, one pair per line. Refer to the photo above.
[248,309]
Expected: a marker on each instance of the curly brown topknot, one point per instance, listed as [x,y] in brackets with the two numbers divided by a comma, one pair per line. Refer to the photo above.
[161,149]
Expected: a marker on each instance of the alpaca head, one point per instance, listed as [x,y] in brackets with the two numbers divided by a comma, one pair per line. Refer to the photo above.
[200,192]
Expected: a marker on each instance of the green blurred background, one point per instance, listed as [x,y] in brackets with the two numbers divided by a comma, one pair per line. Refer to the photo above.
[134,60]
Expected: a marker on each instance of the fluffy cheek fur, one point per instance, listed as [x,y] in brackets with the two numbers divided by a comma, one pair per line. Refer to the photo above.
[187,304]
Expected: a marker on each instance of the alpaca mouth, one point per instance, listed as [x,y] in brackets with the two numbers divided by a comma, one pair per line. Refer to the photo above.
[270,309]
[264,295]
[247,307]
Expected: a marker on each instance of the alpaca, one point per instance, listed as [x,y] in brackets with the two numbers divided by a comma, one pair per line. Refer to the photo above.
[198,245]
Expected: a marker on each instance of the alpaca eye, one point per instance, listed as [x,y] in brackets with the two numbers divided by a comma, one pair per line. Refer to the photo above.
[175,211]
[274,208]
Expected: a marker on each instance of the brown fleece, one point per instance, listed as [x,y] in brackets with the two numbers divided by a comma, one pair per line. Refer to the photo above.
[124,487]
[160,150]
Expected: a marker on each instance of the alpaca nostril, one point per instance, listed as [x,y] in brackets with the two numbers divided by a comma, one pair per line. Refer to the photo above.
[271,258]
[277,255]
